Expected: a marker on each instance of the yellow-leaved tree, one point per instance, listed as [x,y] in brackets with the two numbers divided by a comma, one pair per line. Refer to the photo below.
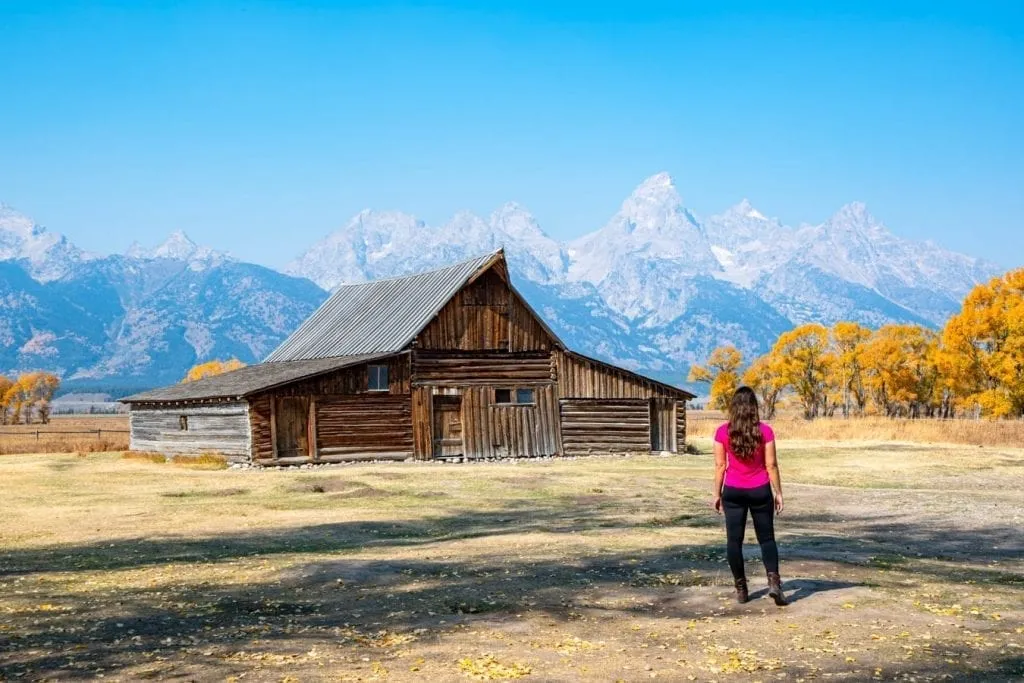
[804,360]
[721,373]
[849,340]
[982,354]
[32,391]
[19,398]
[5,406]
[211,368]
[42,387]
[899,370]
[765,377]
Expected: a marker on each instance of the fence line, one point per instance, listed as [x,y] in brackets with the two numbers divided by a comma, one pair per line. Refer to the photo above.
[98,433]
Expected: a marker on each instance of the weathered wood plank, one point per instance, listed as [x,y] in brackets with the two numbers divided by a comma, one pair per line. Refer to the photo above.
[371,424]
[222,428]
[314,449]
[273,426]
[594,426]
[582,378]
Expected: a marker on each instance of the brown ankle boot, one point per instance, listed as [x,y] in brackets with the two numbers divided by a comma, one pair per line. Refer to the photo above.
[775,589]
[742,595]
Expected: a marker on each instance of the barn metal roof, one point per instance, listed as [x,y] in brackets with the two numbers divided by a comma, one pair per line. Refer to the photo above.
[380,316]
[251,379]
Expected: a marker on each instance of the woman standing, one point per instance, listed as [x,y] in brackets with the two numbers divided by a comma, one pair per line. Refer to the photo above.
[746,472]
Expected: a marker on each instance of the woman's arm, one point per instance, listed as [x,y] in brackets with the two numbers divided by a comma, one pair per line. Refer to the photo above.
[716,493]
[771,461]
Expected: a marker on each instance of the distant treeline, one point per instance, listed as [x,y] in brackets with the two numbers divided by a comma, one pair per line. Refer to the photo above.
[973,366]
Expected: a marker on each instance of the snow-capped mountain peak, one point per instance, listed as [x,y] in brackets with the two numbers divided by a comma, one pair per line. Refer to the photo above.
[371,244]
[11,221]
[657,183]
[530,250]
[516,220]
[178,247]
[747,243]
[855,218]
[655,206]
[747,210]
[49,255]
[652,224]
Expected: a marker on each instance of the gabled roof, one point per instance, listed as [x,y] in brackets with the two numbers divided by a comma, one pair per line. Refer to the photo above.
[251,379]
[382,316]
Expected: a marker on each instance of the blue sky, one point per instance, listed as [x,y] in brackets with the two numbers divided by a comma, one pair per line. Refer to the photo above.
[259,127]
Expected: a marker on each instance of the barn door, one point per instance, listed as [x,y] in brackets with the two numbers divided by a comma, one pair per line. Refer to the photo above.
[447,426]
[663,425]
[292,417]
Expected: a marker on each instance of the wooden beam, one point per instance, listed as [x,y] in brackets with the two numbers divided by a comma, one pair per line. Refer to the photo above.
[314,450]
[273,426]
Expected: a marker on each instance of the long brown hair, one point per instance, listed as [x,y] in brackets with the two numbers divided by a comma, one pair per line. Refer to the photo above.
[744,424]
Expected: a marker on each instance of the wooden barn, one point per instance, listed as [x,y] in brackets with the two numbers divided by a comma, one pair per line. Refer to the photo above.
[451,363]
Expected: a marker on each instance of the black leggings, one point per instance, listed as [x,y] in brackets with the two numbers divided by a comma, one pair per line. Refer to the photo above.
[761,503]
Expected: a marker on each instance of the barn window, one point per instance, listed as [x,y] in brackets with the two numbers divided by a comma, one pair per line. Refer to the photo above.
[378,378]
[183,423]
[514,397]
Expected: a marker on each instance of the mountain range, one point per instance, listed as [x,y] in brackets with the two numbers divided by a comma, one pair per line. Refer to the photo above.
[655,289]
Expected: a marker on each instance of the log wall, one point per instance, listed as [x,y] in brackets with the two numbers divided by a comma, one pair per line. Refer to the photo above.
[680,426]
[378,426]
[459,369]
[326,391]
[221,428]
[262,438]
[583,378]
[605,426]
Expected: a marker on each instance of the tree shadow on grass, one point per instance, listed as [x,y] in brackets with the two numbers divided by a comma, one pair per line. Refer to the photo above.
[349,601]
[889,542]
[333,596]
[560,516]
[344,601]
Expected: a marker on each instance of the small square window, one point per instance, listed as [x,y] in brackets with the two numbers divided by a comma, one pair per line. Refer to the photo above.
[378,378]
[524,396]
[183,423]
[503,396]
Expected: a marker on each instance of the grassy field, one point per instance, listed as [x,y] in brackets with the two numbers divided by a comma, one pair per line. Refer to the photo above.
[904,562]
[67,434]
[790,425]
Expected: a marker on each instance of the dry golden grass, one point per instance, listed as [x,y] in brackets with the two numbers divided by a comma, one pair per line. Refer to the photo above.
[141,456]
[204,461]
[926,431]
[67,434]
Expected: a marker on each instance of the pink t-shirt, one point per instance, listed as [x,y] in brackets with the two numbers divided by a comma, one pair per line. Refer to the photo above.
[745,474]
